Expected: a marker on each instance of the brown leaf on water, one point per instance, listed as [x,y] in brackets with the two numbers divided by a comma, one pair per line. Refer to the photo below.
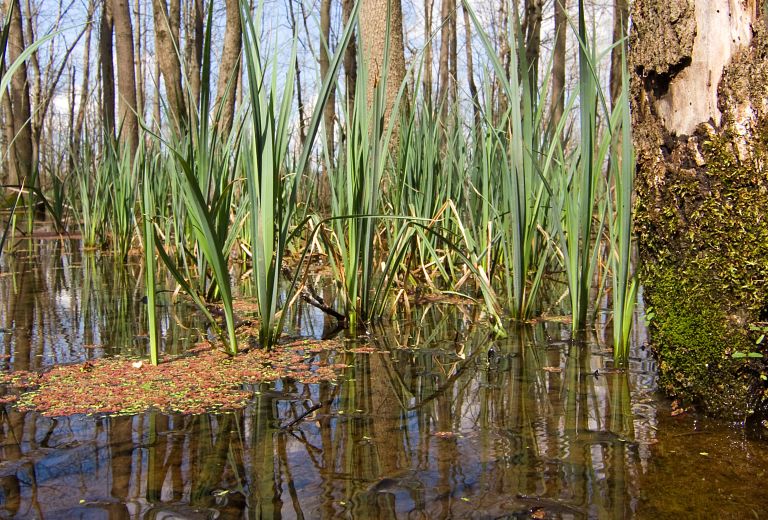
[552,369]
[205,379]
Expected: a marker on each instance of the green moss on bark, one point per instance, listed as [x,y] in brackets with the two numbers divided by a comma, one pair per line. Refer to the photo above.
[708,234]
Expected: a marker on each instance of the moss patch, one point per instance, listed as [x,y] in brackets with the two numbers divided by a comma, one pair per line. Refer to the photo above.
[708,233]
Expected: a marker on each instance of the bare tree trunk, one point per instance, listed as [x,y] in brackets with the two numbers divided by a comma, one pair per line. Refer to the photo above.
[137,56]
[167,22]
[532,25]
[471,69]
[699,84]
[453,56]
[350,57]
[329,111]
[84,85]
[126,79]
[373,32]
[106,61]
[21,153]
[156,100]
[297,71]
[428,4]
[620,20]
[229,69]
[558,63]
[443,73]
[194,47]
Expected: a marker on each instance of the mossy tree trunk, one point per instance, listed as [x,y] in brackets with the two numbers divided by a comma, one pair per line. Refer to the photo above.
[700,123]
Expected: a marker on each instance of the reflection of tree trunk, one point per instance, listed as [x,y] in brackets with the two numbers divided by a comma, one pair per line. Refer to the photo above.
[22,316]
[385,411]
[121,455]
[268,502]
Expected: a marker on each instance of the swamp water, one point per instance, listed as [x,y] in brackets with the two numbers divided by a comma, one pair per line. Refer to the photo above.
[433,419]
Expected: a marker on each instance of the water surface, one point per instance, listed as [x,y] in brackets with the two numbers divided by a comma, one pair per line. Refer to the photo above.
[439,421]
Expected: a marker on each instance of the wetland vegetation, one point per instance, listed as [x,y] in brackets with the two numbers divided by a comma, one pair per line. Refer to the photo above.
[376,296]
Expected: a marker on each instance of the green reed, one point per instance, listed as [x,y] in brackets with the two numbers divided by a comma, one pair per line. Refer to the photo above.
[273,193]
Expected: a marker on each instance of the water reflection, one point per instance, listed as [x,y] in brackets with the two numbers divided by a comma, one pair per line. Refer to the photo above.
[61,305]
[462,426]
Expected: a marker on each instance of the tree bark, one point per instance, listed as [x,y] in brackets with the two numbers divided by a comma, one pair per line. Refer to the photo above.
[194,47]
[329,111]
[229,69]
[620,20]
[558,63]
[350,57]
[532,25]
[167,28]
[21,153]
[299,93]
[373,33]
[84,87]
[471,69]
[443,73]
[427,73]
[106,62]
[137,56]
[126,80]
[698,87]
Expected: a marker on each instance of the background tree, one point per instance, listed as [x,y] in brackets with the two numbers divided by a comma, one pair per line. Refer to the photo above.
[373,33]
[18,106]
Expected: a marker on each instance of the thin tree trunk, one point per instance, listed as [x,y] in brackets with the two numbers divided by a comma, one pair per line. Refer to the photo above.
[229,69]
[453,56]
[167,22]
[532,24]
[620,19]
[350,57]
[137,55]
[194,47]
[329,111]
[156,100]
[443,74]
[126,79]
[21,163]
[297,70]
[558,63]
[427,85]
[471,69]
[106,61]
[84,85]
